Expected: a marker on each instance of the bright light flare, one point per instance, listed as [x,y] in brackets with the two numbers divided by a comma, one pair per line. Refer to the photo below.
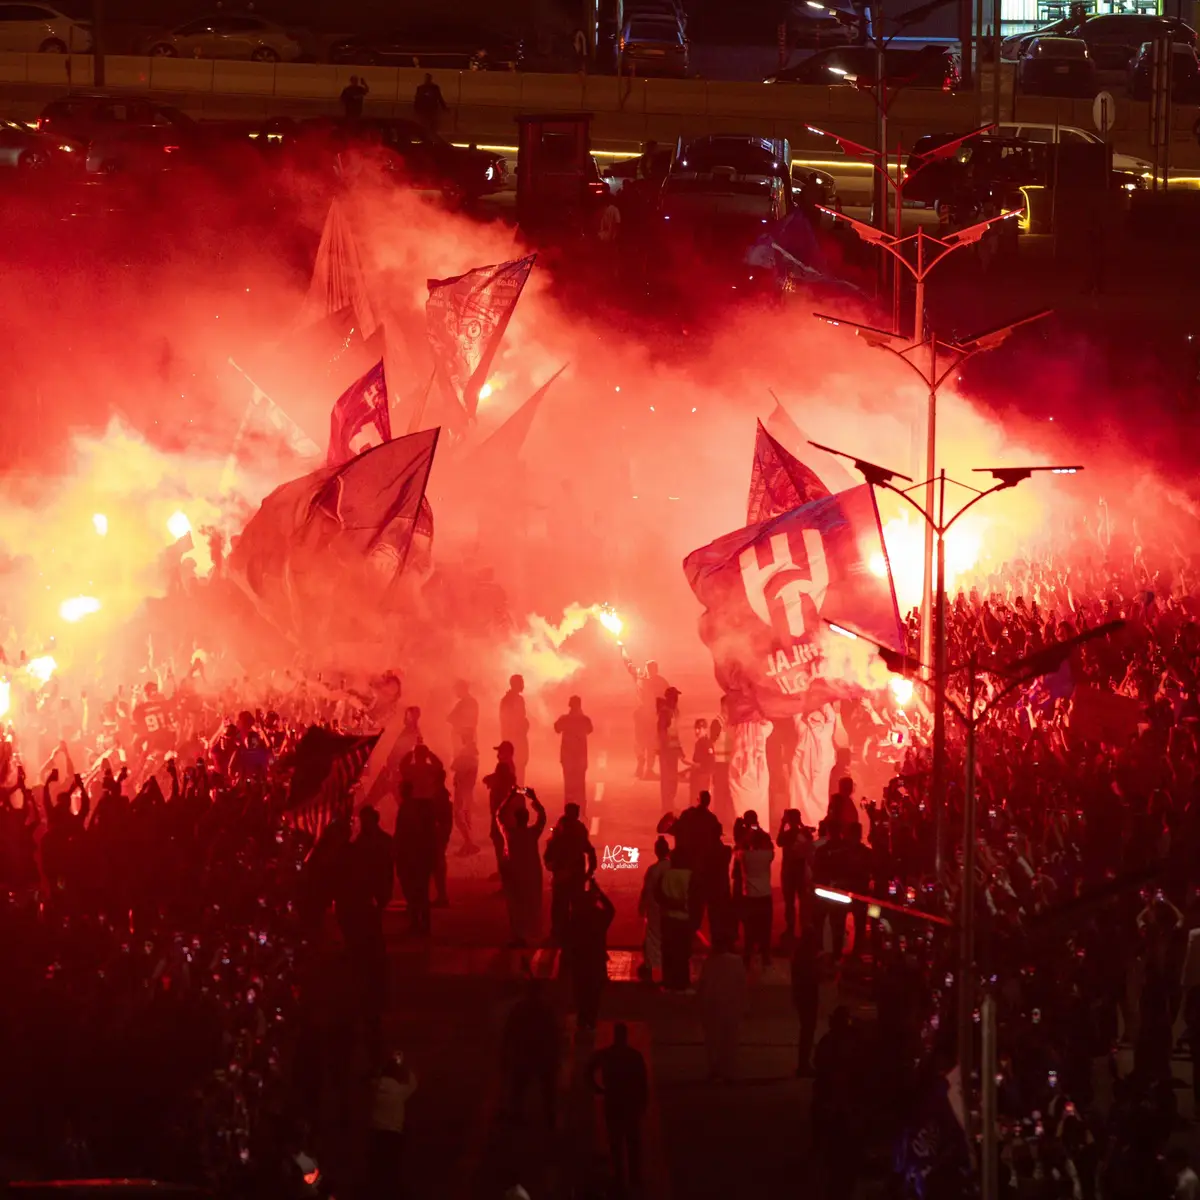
[40,669]
[5,697]
[836,897]
[607,617]
[905,541]
[901,689]
[78,607]
[100,524]
[178,525]
[877,565]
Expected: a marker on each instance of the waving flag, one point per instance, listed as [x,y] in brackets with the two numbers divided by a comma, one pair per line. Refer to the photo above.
[770,591]
[335,532]
[779,482]
[363,403]
[465,320]
[325,767]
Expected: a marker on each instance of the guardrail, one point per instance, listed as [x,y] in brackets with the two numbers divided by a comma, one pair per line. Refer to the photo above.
[483,103]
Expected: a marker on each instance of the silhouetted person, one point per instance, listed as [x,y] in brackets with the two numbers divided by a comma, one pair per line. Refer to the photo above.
[673,894]
[574,727]
[423,782]
[700,779]
[464,770]
[353,95]
[670,749]
[391,1089]
[530,1053]
[795,849]
[586,953]
[429,104]
[571,859]
[500,784]
[651,687]
[514,725]
[521,874]
[464,716]
[443,826]
[806,984]
[624,1086]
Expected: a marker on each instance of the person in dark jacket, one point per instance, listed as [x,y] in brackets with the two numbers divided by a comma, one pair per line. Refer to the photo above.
[586,954]
[429,104]
[625,1089]
[571,859]
[574,727]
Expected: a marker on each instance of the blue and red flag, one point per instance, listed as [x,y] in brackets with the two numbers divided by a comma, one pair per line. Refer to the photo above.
[363,403]
[772,590]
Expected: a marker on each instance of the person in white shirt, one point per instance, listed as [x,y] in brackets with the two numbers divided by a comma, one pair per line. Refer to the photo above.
[394,1084]
[755,859]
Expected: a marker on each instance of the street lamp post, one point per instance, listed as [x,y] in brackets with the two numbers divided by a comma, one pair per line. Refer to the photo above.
[933,640]
[878,160]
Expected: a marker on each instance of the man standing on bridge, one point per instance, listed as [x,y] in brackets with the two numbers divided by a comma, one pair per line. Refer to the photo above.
[353,95]
[429,104]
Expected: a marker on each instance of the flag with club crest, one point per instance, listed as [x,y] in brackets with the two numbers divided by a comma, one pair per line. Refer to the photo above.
[779,481]
[771,592]
[363,403]
[465,320]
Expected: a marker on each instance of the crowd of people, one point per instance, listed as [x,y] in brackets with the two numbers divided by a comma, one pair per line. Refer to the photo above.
[197,984]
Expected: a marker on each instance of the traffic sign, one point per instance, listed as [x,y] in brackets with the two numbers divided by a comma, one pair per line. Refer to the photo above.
[1104,112]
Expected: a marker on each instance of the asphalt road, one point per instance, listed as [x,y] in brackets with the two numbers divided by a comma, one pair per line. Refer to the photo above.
[452,994]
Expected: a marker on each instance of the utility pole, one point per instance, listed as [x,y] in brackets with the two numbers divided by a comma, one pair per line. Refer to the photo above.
[98,43]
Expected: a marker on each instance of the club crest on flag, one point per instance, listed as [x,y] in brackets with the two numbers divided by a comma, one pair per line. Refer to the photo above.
[784,589]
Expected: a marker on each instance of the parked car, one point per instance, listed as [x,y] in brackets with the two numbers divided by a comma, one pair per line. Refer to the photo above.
[1057,66]
[652,46]
[121,133]
[1113,40]
[433,45]
[657,8]
[227,35]
[1185,74]
[29,150]
[1044,131]
[33,28]
[812,24]
[1013,46]
[931,66]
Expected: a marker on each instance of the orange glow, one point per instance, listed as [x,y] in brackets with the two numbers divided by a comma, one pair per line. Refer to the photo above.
[40,669]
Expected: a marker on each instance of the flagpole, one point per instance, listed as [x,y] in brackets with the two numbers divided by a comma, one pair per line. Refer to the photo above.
[419,413]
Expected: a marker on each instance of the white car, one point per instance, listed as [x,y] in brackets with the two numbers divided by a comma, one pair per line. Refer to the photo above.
[1035,131]
[33,28]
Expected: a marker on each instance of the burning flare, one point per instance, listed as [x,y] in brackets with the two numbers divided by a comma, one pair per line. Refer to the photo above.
[178,526]
[77,607]
[100,524]
[40,669]
[5,697]
[901,689]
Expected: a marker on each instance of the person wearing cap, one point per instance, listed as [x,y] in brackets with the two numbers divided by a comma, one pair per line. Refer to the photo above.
[500,784]
[514,725]
[670,749]
[574,727]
